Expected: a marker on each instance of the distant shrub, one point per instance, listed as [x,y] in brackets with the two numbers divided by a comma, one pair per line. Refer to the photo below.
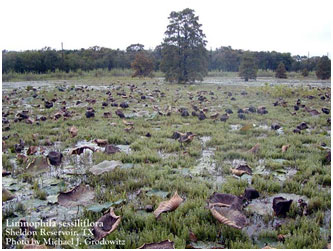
[281,71]
[323,68]
[305,72]
[248,69]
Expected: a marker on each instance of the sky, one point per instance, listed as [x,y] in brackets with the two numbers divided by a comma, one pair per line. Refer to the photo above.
[298,27]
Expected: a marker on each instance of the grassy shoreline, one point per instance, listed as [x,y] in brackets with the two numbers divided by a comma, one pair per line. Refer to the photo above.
[114,73]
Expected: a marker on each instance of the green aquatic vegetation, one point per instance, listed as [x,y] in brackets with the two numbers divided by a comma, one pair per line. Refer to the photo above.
[161,165]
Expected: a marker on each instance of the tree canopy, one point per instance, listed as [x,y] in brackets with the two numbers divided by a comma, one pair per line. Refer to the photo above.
[248,68]
[323,69]
[184,57]
[142,65]
[281,71]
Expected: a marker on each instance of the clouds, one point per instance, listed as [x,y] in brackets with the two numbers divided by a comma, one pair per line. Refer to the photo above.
[285,26]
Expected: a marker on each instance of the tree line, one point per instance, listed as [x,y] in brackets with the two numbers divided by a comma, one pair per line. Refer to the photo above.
[220,59]
[182,56]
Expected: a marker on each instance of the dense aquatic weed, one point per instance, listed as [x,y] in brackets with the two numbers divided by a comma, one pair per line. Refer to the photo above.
[153,170]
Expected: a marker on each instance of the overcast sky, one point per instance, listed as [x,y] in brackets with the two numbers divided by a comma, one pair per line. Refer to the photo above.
[292,26]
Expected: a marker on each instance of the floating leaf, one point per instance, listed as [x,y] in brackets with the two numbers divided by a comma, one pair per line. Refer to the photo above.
[169,205]
[99,207]
[38,165]
[105,166]
[241,169]
[32,150]
[101,142]
[159,193]
[6,195]
[106,225]
[226,209]
[237,172]
[80,195]
[228,216]
[80,150]
[281,206]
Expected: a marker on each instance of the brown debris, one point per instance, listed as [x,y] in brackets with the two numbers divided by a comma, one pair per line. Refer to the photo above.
[106,225]
[38,164]
[169,205]
[80,150]
[3,145]
[214,116]
[128,129]
[285,148]
[126,123]
[228,216]
[32,150]
[237,172]
[55,158]
[73,131]
[281,237]
[251,193]
[192,237]
[111,149]
[22,157]
[167,244]
[255,149]
[101,142]
[281,206]
[7,195]
[5,173]
[226,208]
[35,136]
[183,137]
[120,114]
[107,115]
[241,169]
[57,115]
